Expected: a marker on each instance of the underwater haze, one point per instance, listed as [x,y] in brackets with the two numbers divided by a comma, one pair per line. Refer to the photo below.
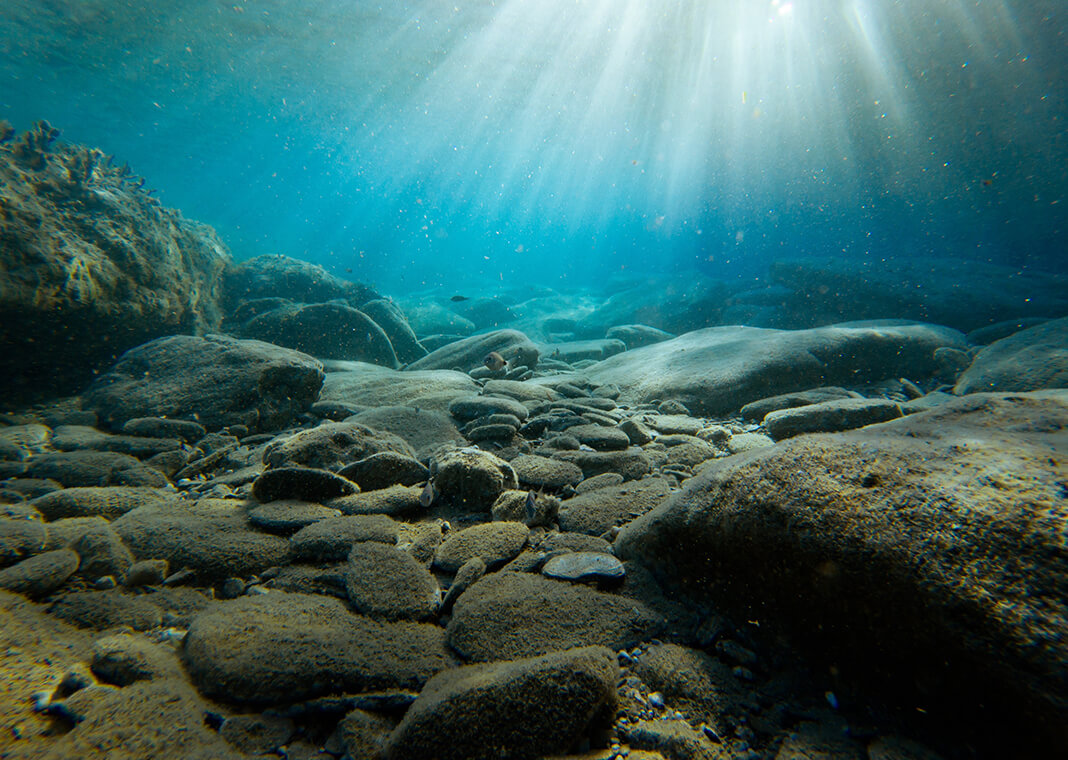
[463,145]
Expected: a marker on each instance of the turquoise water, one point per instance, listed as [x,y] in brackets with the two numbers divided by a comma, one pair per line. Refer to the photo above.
[466,145]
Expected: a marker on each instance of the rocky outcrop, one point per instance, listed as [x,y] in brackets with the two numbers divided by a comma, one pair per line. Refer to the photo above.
[91,265]
[927,552]
[1029,360]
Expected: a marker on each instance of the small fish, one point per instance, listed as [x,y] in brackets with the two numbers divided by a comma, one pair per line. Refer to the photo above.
[426,498]
[494,361]
[532,501]
[457,299]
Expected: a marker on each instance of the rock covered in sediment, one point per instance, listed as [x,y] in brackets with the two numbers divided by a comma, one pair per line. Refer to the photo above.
[330,540]
[1028,360]
[543,472]
[216,379]
[301,483]
[331,446]
[599,510]
[507,615]
[385,582]
[757,410]
[109,502]
[91,265]
[926,550]
[425,430]
[324,330]
[830,416]
[282,647]
[367,385]
[636,336]
[584,567]
[211,537]
[94,468]
[716,370]
[40,574]
[471,478]
[521,709]
[384,469]
[494,543]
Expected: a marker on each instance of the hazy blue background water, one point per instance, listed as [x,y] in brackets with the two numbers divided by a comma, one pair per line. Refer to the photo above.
[464,144]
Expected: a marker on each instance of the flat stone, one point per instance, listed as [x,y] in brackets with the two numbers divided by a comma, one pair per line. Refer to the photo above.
[1029,360]
[509,615]
[211,537]
[597,511]
[331,540]
[281,647]
[472,479]
[830,416]
[632,463]
[109,502]
[387,583]
[101,610]
[287,516]
[395,500]
[94,468]
[331,446]
[582,567]
[463,712]
[494,543]
[300,483]
[543,472]
[756,410]
[189,431]
[467,408]
[600,437]
[41,574]
[20,539]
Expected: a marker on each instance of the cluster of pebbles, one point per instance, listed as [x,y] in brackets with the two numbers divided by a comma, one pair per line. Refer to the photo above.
[331,590]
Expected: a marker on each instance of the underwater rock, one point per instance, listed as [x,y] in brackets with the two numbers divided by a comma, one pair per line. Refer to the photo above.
[675,304]
[283,647]
[464,355]
[631,463]
[1028,360]
[332,539]
[94,468]
[385,582]
[467,408]
[471,478]
[324,330]
[211,537]
[921,552]
[367,385]
[331,446]
[287,516]
[303,483]
[577,350]
[543,472]
[391,319]
[91,265]
[483,312]
[277,276]
[509,615]
[90,501]
[636,336]
[385,469]
[431,319]
[841,289]
[41,574]
[494,543]
[601,509]
[757,410]
[101,610]
[716,370]
[217,379]
[521,709]
[830,416]
[583,567]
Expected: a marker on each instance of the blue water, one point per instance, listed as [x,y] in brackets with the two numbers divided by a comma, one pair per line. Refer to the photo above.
[468,145]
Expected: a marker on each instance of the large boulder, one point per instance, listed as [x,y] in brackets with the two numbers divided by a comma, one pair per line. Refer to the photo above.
[468,353]
[391,319]
[522,709]
[928,552]
[1029,360]
[90,265]
[325,330]
[277,276]
[720,369]
[825,290]
[217,380]
[283,647]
